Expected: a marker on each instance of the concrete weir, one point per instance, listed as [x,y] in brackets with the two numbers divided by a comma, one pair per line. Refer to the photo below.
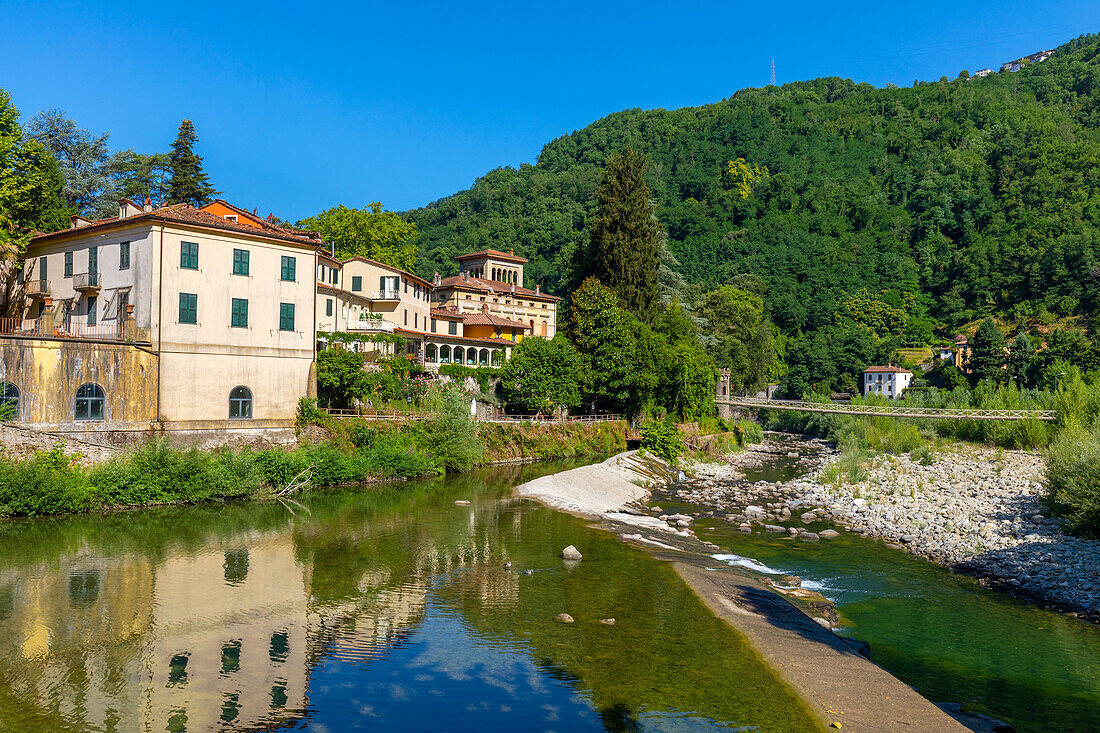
[845,689]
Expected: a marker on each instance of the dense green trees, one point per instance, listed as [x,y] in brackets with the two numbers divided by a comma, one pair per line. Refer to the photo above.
[187,183]
[368,232]
[31,185]
[542,376]
[625,235]
[738,335]
[948,201]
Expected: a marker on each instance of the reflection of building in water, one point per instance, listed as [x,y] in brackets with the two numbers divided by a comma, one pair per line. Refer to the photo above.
[124,645]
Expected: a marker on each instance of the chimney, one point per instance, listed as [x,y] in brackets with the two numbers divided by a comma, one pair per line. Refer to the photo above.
[147,206]
[538,289]
[466,276]
[436,279]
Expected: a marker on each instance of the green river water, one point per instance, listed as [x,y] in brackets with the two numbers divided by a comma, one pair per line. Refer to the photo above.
[375,608]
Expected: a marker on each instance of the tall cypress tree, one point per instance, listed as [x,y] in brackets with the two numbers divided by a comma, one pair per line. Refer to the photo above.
[187,183]
[987,355]
[626,236]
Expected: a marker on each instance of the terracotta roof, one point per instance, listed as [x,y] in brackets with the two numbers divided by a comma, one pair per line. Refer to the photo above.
[183,214]
[891,369]
[488,319]
[444,313]
[260,221]
[480,285]
[496,341]
[494,253]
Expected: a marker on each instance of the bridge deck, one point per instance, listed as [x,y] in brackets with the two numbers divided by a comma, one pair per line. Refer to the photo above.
[930,413]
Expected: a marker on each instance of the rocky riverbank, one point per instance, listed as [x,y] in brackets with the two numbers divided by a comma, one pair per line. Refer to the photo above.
[977,510]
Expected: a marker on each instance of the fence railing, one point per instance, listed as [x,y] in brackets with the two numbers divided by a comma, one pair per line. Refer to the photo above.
[387,295]
[936,413]
[86,281]
[37,287]
[110,331]
[372,414]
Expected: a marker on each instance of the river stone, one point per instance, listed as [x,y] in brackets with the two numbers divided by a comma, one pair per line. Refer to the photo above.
[828,533]
[461,502]
[808,517]
[607,621]
[808,536]
[683,524]
[793,531]
[774,528]
[563,618]
[571,553]
[792,580]
[678,518]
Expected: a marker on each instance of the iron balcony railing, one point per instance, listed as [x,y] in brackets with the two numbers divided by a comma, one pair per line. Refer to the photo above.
[73,329]
[37,288]
[86,281]
[387,295]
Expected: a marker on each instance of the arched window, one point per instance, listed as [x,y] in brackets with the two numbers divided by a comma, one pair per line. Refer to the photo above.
[458,355]
[445,355]
[89,402]
[240,403]
[430,353]
[483,358]
[9,401]
[471,356]
[496,357]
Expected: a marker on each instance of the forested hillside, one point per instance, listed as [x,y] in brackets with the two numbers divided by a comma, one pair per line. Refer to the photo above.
[909,210]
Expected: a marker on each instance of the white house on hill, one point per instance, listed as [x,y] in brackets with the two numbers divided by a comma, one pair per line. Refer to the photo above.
[889,380]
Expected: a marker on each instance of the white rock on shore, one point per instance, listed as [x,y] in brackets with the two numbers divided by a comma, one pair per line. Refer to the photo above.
[977,509]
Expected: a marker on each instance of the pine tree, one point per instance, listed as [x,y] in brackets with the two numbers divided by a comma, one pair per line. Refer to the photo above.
[626,236]
[187,184]
[1021,361]
[987,356]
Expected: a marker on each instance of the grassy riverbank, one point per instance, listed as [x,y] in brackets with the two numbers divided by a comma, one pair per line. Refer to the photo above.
[331,452]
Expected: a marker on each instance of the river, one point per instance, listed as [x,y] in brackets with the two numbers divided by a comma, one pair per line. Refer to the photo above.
[379,607]
[944,634]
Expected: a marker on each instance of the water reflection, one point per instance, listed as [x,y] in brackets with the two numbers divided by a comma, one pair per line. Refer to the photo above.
[379,607]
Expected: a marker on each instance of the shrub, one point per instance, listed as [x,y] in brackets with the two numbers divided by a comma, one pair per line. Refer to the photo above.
[449,436]
[1073,479]
[663,439]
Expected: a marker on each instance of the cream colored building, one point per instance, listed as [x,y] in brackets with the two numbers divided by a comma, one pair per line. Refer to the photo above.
[494,280]
[889,381]
[223,308]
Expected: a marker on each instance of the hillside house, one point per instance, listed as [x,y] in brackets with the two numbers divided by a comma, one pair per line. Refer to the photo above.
[889,381]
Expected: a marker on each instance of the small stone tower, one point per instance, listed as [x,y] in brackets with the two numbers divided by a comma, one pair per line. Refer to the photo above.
[722,394]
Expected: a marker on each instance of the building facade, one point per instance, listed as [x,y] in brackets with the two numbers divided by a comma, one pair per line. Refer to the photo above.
[168,319]
[889,381]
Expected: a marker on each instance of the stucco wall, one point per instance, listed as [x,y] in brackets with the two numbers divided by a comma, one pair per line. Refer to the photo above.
[49,372]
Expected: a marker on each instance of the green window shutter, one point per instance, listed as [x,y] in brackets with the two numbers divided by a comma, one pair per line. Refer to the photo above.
[240,262]
[240,313]
[93,260]
[189,308]
[356,283]
[189,255]
[42,268]
[286,272]
[286,316]
[68,264]
[124,256]
[328,307]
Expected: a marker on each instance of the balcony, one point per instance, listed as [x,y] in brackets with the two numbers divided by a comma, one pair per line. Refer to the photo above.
[387,295]
[37,288]
[86,282]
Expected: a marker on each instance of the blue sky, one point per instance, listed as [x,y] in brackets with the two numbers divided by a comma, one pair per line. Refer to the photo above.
[301,106]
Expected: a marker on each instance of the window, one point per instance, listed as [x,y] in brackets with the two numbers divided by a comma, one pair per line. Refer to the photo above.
[9,401]
[89,402]
[286,316]
[231,217]
[433,325]
[406,312]
[123,301]
[416,321]
[332,275]
[92,305]
[124,256]
[405,281]
[42,268]
[356,283]
[189,308]
[231,656]
[328,307]
[68,264]
[240,313]
[240,404]
[189,256]
[452,328]
[286,270]
[240,262]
